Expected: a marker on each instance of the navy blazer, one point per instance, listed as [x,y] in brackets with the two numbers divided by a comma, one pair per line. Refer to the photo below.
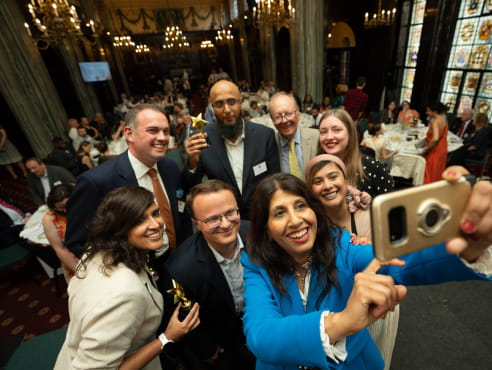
[260,149]
[92,185]
[194,266]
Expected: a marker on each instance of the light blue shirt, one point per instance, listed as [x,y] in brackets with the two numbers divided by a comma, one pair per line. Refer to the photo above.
[284,152]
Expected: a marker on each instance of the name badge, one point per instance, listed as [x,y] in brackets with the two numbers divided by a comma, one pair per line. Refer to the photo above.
[57,183]
[181,206]
[260,168]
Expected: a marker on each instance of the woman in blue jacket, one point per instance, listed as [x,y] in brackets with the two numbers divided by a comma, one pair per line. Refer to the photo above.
[310,293]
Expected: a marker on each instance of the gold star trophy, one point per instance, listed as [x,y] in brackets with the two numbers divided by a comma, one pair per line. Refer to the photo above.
[197,123]
[179,296]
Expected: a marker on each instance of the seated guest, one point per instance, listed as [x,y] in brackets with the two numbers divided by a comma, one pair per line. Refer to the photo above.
[389,115]
[82,136]
[475,145]
[207,265]
[376,143]
[55,224]
[61,156]
[307,104]
[114,306]
[463,126]
[91,130]
[310,293]
[254,110]
[84,162]
[103,127]
[42,178]
[74,124]
[406,114]
[325,105]
[315,112]
[12,220]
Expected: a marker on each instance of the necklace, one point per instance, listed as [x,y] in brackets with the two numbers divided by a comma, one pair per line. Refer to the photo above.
[305,266]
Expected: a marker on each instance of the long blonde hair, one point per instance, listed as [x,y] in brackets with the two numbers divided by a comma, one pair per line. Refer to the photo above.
[352,158]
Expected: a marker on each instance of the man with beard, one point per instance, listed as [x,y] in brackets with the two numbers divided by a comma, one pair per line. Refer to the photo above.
[241,153]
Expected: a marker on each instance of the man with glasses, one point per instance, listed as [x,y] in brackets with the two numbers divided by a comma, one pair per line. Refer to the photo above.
[296,144]
[208,267]
[241,153]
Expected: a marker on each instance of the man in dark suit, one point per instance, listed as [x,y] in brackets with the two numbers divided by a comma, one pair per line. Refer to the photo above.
[208,267]
[463,126]
[241,153]
[147,134]
[42,178]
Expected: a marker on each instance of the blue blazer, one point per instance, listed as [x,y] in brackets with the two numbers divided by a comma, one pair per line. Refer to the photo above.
[282,335]
[92,185]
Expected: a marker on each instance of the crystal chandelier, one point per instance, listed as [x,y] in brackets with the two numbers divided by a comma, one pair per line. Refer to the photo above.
[55,20]
[174,38]
[279,13]
[384,17]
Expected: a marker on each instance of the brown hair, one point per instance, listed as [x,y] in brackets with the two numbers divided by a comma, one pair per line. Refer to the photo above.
[210,186]
[353,157]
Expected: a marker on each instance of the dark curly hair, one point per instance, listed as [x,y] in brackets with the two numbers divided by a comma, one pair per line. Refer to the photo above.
[267,253]
[119,212]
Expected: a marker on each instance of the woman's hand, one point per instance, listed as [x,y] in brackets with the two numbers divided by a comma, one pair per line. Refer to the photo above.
[476,221]
[177,329]
[373,295]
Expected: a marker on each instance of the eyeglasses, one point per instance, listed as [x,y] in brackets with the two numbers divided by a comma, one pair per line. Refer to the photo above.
[215,221]
[220,104]
[288,115]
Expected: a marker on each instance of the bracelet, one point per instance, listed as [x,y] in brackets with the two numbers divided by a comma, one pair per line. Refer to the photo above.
[164,340]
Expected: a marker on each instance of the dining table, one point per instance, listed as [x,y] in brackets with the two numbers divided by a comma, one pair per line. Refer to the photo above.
[410,141]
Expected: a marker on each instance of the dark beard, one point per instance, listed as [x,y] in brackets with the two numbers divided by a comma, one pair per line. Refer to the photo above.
[228,131]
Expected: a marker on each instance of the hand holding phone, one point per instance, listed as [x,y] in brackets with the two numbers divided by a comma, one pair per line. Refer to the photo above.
[412,219]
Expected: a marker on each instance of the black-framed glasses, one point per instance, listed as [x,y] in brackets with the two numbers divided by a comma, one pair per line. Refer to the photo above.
[287,115]
[215,221]
[220,104]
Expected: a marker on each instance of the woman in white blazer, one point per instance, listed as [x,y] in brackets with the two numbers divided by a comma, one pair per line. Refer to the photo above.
[114,305]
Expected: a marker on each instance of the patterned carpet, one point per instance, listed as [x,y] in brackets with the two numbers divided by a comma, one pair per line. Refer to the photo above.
[29,304]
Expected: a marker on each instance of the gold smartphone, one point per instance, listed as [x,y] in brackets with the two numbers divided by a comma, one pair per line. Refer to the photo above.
[408,220]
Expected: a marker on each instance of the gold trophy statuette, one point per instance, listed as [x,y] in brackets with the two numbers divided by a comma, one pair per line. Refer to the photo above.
[197,123]
[179,296]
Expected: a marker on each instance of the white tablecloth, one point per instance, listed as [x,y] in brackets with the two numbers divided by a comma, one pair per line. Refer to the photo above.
[406,139]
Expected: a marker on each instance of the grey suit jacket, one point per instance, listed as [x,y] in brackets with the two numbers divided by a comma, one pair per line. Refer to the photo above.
[309,144]
[56,175]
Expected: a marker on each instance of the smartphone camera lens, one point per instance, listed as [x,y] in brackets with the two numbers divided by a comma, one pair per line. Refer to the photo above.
[432,218]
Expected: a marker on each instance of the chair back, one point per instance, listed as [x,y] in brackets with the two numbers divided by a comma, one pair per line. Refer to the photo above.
[409,166]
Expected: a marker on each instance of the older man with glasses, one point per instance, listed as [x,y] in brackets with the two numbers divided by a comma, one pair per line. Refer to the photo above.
[241,153]
[208,267]
[296,144]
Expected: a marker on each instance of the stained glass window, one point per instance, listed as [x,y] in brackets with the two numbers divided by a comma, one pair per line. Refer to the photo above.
[410,32]
[468,79]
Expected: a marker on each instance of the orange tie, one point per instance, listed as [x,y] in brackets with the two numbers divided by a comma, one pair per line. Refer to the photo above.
[165,209]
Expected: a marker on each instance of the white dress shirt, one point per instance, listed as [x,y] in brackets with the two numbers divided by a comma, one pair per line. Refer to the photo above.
[144,180]
[235,154]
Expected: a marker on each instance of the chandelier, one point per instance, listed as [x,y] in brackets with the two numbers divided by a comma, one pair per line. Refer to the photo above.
[279,13]
[142,49]
[55,20]
[207,44]
[384,17]
[224,35]
[123,42]
[174,38]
